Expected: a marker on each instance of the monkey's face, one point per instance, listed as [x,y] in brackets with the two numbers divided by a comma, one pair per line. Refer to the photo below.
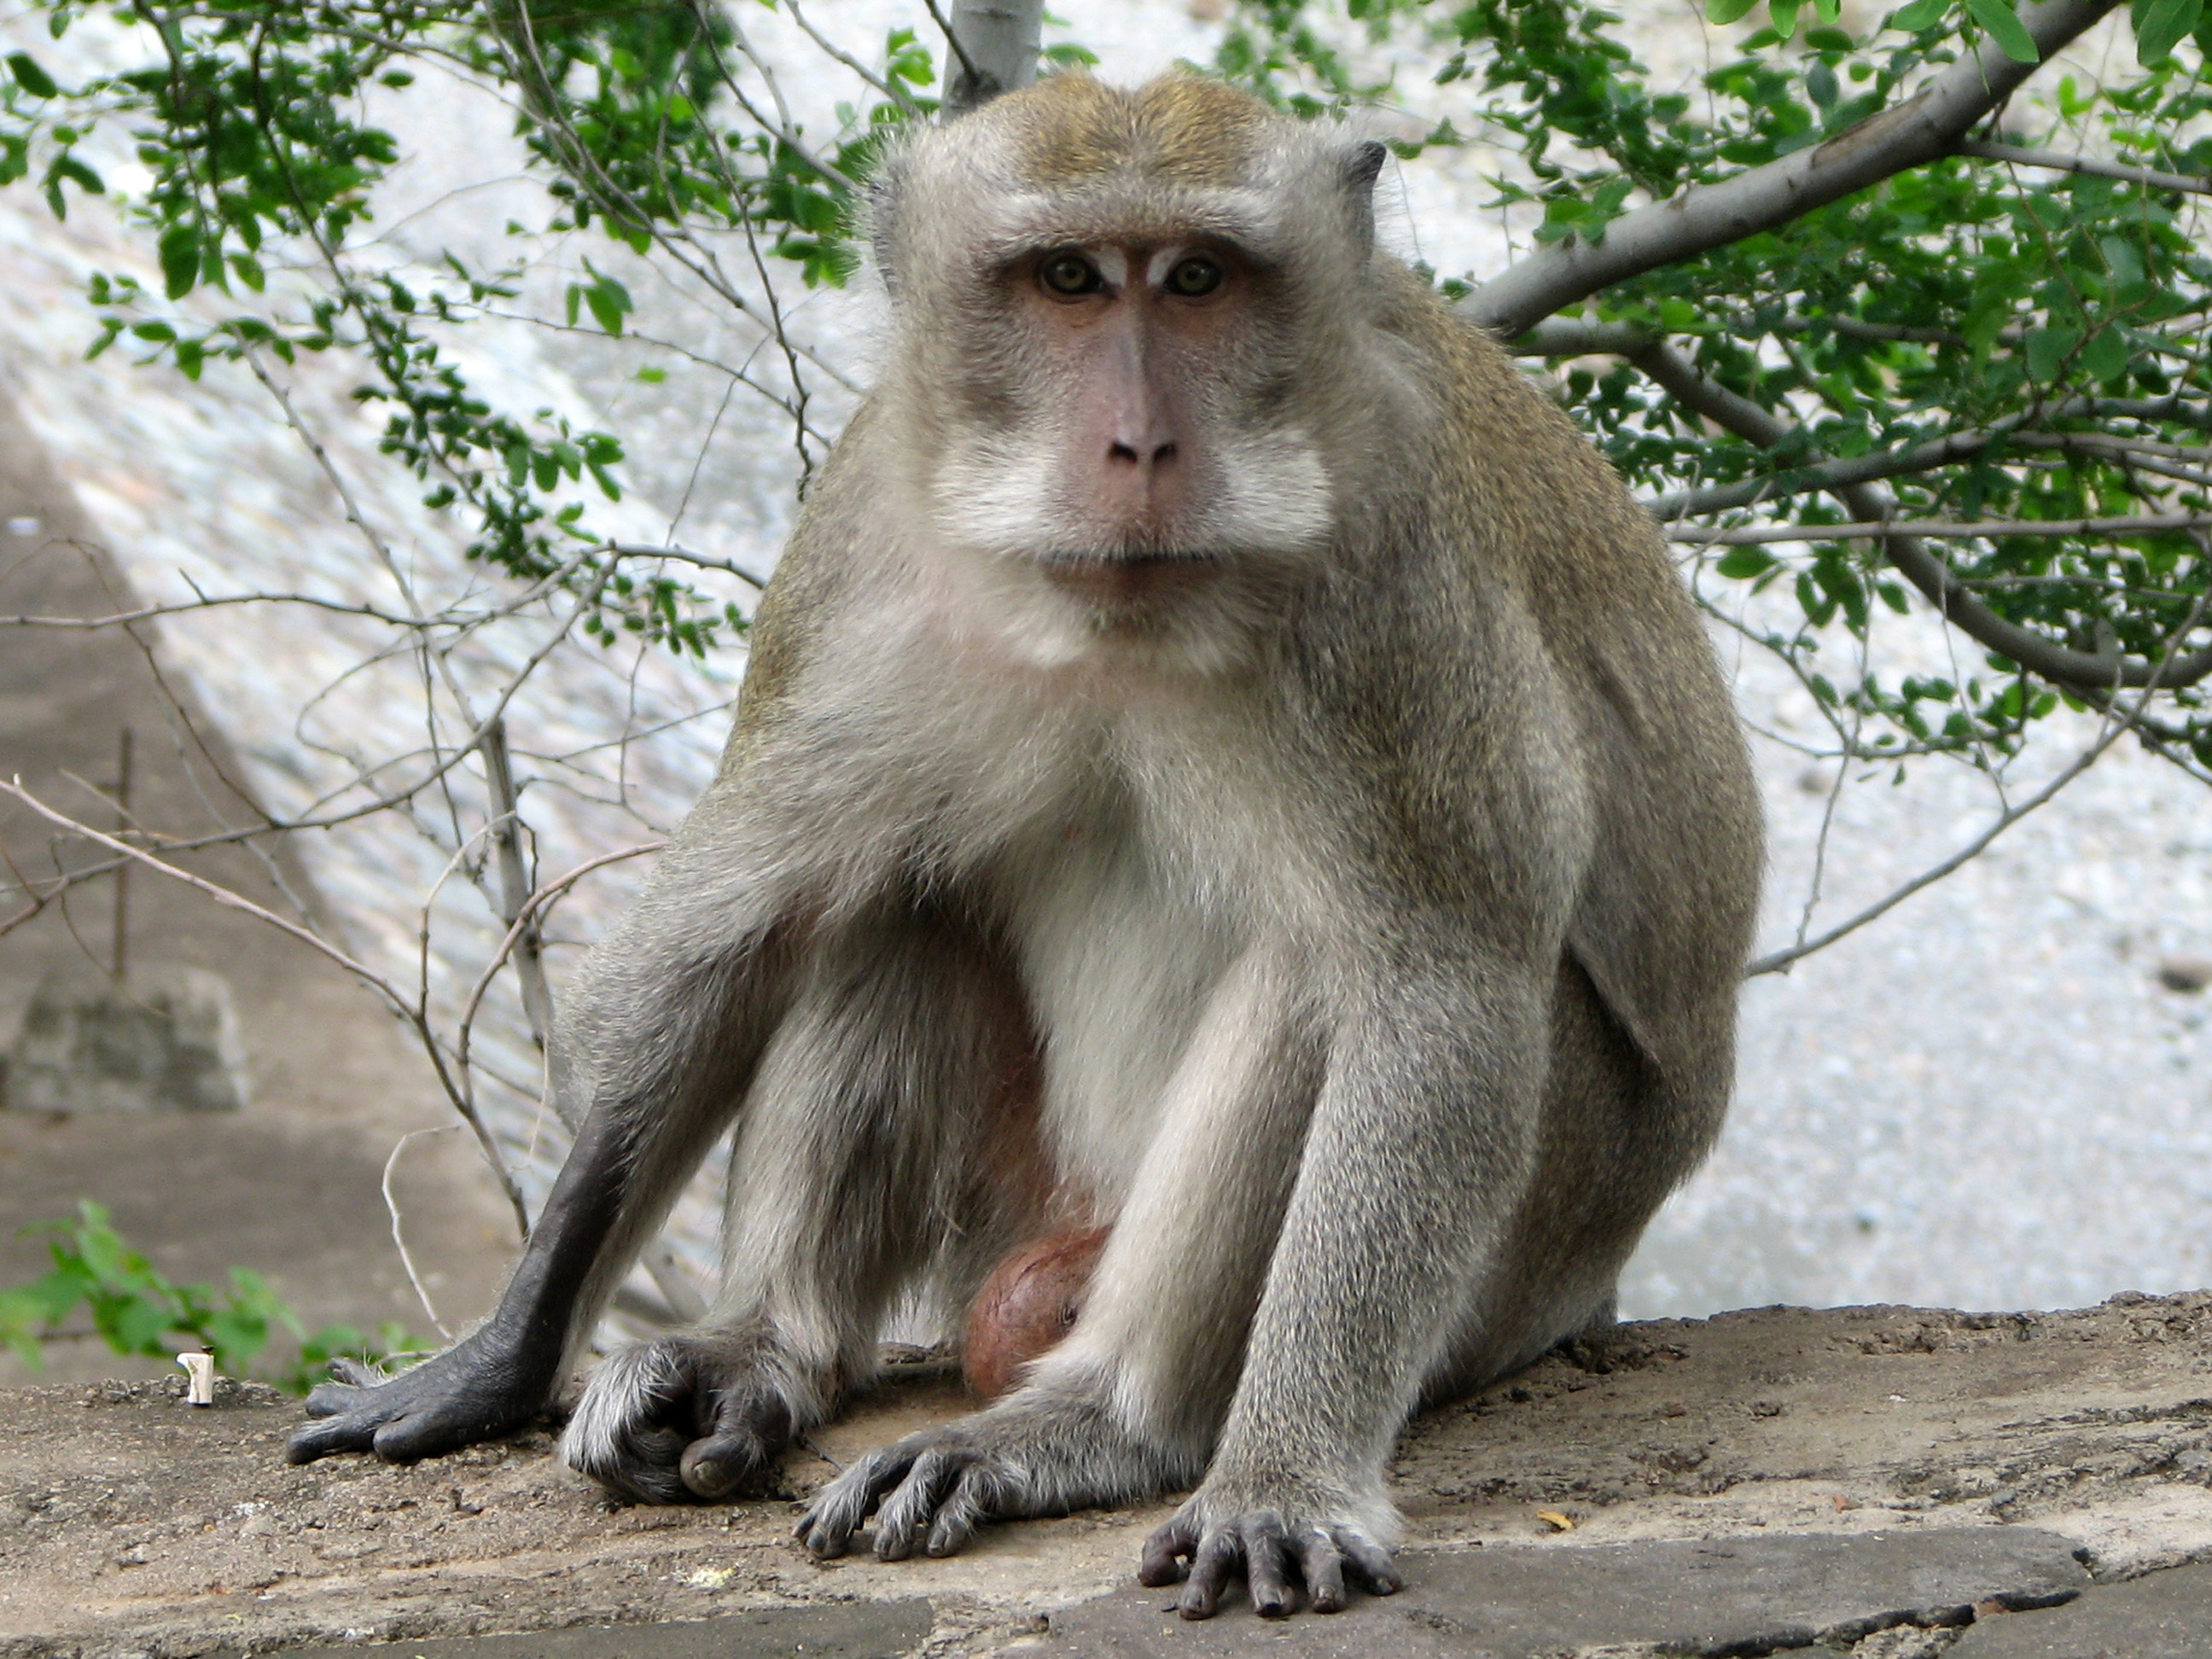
[1120,434]
[1132,357]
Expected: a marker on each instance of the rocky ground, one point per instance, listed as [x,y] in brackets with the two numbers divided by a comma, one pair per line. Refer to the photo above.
[1891,1482]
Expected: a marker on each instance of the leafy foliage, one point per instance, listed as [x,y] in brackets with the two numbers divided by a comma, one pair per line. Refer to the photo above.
[2046,327]
[135,1311]
[2050,324]
[253,122]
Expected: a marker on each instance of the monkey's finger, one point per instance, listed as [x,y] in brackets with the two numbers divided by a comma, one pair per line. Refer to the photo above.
[1266,1555]
[903,1520]
[841,1507]
[716,1466]
[1219,1558]
[334,1434]
[1165,1551]
[1370,1563]
[1321,1564]
[335,1398]
[971,1502]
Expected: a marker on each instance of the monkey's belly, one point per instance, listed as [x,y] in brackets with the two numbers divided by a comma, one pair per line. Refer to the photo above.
[1030,1302]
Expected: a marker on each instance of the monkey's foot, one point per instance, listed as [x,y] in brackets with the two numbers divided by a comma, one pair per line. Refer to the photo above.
[1268,1548]
[681,1419]
[472,1392]
[1032,1454]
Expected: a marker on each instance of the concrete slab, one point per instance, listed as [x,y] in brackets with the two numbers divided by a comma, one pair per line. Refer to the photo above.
[880,1630]
[2164,1615]
[1733,1596]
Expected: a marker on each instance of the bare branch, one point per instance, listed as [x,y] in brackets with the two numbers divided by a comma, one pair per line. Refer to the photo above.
[1752,535]
[1826,475]
[412,1012]
[2117,724]
[2095,167]
[683,555]
[1956,603]
[1923,128]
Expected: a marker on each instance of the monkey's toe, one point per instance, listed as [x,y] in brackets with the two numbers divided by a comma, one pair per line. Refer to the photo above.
[1272,1557]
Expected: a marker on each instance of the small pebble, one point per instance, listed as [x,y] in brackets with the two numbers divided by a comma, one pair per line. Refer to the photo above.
[2185,973]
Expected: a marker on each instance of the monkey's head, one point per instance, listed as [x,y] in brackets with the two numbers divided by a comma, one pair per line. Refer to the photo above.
[1136,325]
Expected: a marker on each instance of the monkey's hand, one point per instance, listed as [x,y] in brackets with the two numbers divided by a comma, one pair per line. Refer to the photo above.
[477,1389]
[1034,1453]
[1222,1535]
[681,1419]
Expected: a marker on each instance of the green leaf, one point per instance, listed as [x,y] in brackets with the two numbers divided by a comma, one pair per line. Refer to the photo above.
[2002,25]
[1784,16]
[1742,563]
[1727,11]
[1920,14]
[2105,356]
[2161,26]
[29,76]
[180,251]
[2047,347]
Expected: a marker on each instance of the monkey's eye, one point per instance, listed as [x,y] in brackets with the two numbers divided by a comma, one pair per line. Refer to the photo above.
[1070,273]
[1194,277]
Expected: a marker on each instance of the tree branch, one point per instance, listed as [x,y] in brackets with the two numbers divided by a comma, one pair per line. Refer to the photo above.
[1957,603]
[1925,128]
[2095,166]
[1826,475]
[2141,524]
[997,42]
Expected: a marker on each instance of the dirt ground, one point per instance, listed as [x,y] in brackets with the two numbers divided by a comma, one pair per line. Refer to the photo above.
[131,1523]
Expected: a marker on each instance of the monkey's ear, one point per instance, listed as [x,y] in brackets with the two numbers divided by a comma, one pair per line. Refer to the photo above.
[1362,162]
[880,217]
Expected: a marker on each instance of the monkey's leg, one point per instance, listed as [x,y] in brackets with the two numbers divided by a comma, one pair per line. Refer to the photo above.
[1422,1142]
[904,1063]
[669,1017]
[1129,1404]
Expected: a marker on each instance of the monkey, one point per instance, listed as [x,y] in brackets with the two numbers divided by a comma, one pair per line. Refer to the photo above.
[1223,764]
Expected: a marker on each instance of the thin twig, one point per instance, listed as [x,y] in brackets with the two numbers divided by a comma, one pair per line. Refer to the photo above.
[398,1240]
[2143,524]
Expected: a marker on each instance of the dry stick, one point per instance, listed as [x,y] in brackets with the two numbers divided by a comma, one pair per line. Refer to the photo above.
[122,919]
[398,1240]
[360,970]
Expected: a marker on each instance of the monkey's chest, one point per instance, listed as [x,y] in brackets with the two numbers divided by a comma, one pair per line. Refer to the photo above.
[1116,962]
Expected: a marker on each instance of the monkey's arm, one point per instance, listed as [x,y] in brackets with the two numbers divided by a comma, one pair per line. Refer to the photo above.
[665,1024]
[1421,1146]
[503,1374]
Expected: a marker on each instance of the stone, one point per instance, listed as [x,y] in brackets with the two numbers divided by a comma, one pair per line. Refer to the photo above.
[1733,1596]
[166,1041]
[861,1630]
[2162,1615]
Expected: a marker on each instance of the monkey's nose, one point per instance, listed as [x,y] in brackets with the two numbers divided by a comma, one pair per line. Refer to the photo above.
[1128,454]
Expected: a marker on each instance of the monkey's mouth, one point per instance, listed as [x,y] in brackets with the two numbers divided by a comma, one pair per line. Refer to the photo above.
[1127,578]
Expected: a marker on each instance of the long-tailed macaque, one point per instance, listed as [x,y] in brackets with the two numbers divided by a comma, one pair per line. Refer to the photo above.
[1222,762]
